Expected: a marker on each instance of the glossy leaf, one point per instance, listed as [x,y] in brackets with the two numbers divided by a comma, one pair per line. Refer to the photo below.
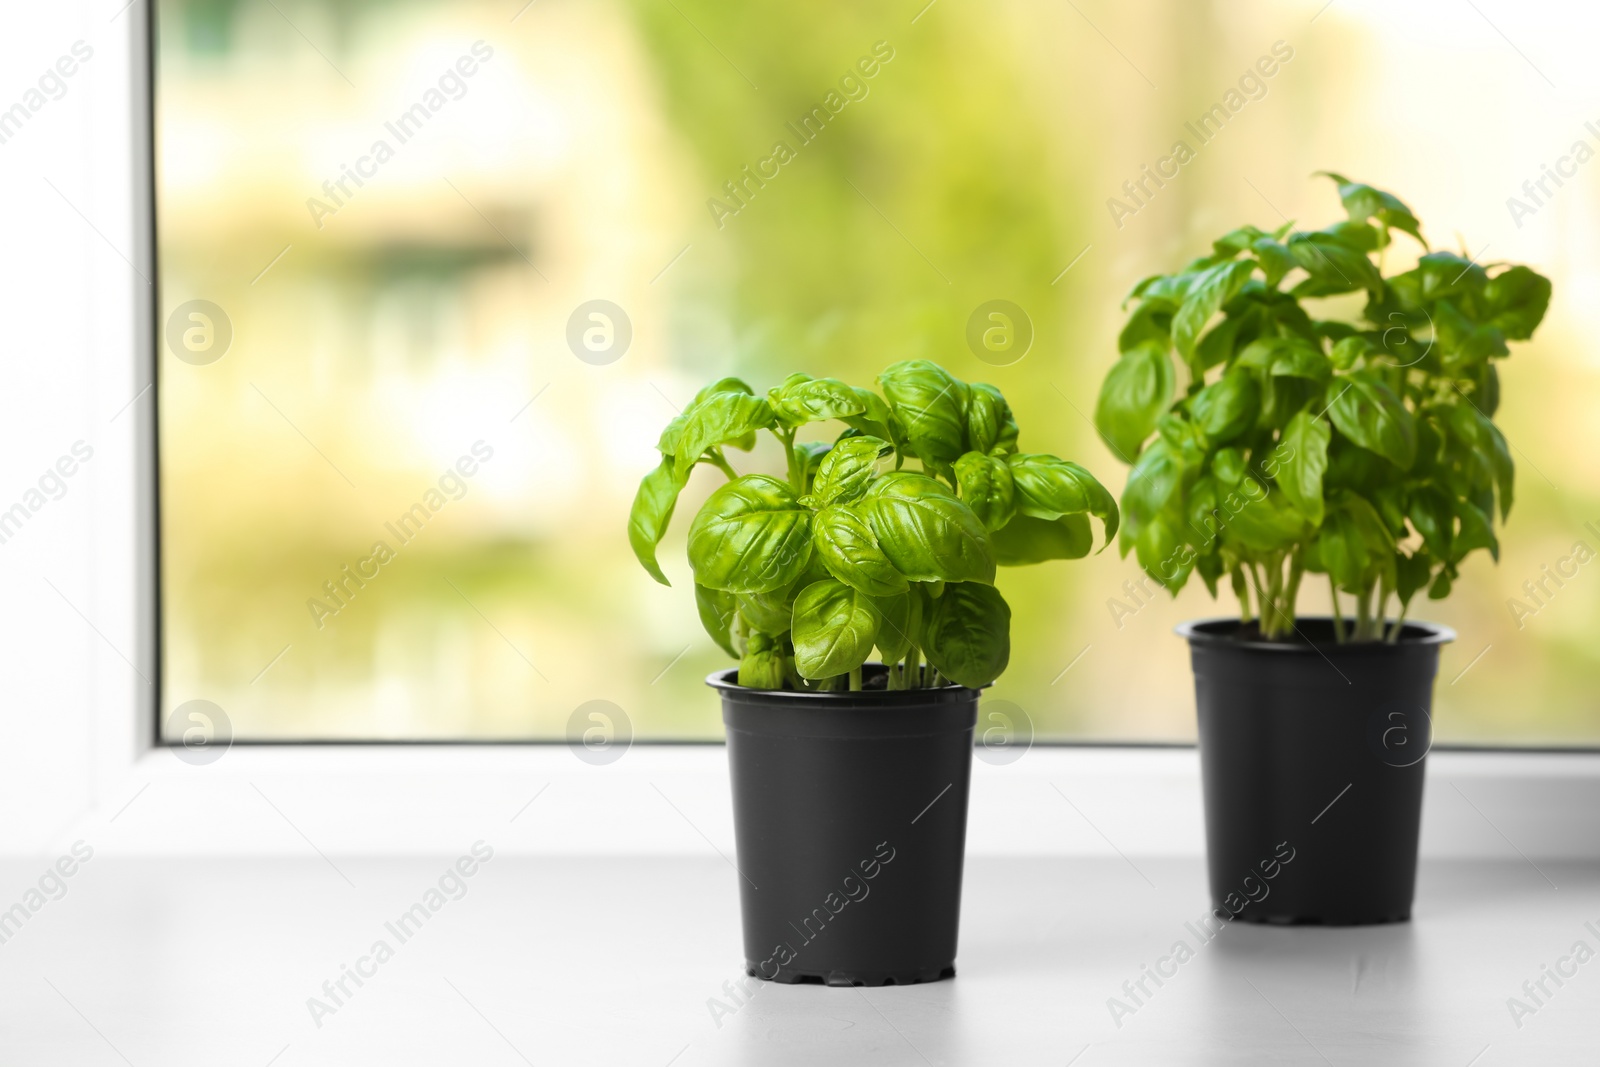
[987,488]
[1367,411]
[1048,488]
[751,536]
[1302,460]
[926,532]
[1210,291]
[652,509]
[1363,202]
[721,418]
[1331,266]
[990,424]
[1516,300]
[1025,540]
[1135,392]
[847,547]
[1227,407]
[930,405]
[762,666]
[768,613]
[1433,518]
[899,619]
[968,636]
[814,400]
[717,610]
[847,470]
[835,627]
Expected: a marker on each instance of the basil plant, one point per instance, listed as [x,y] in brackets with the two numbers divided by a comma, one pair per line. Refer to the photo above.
[801,576]
[1361,446]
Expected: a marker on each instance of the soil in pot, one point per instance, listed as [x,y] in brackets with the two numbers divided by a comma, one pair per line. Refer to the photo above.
[1312,755]
[850,811]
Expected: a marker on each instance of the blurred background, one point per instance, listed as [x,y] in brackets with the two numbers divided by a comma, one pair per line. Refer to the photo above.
[558,153]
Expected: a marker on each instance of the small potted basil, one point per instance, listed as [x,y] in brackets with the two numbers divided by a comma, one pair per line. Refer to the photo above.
[1358,451]
[850,775]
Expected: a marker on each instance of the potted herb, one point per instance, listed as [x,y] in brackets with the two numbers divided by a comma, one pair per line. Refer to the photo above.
[1355,450]
[850,776]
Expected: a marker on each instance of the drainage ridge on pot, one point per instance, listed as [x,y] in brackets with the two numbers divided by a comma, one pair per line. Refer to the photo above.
[1312,757]
[850,813]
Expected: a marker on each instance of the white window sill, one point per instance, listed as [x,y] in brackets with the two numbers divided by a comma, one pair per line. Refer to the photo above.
[674,799]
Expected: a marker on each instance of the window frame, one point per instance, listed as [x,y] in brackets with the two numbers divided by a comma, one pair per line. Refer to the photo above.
[403,796]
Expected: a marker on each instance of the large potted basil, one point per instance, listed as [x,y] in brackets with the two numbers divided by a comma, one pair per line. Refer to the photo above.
[850,775]
[1359,451]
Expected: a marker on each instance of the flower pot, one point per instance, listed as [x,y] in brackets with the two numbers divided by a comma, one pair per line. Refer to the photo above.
[1311,758]
[850,811]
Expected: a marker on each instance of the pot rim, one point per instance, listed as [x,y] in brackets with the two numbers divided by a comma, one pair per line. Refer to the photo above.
[726,682]
[1219,633]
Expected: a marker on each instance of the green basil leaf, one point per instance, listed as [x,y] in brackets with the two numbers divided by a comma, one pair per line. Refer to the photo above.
[1227,407]
[1347,351]
[1150,321]
[722,418]
[1462,341]
[847,547]
[768,613]
[1048,488]
[1274,258]
[1363,202]
[1264,522]
[930,405]
[1354,544]
[1213,288]
[1516,300]
[926,532]
[815,400]
[1444,274]
[835,628]
[1433,518]
[1236,241]
[1154,480]
[1300,462]
[1411,574]
[1473,533]
[751,536]
[1025,540]
[1228,466]
[1162,553]
[987,488]
[721,385]
[651,512]
[717,610]
[874,419]
[1332,267]
[1366,411]
[1342,551]
[668,443]
[898,620]
[762,666]
[1356,236]
[1136,390]
[968,636]
[1297,359]
[1487,448]
[847,470]
[811,454]
[990,424]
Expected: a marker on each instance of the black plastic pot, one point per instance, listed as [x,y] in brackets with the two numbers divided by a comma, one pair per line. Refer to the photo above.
[850,811]
[1312,756]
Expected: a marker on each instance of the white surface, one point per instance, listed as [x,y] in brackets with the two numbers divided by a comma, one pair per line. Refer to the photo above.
[597,961]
